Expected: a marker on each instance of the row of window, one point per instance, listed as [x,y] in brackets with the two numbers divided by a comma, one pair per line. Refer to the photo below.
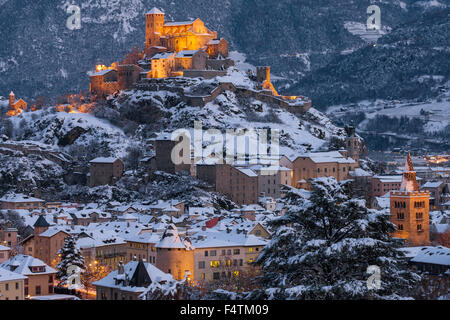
[401,215]
[400,227]
[400,204]
[217,263]
[7,286]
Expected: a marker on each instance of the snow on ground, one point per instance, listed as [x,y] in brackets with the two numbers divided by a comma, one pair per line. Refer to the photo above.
[436,113]
[48,127]
[360,29]
[239,60]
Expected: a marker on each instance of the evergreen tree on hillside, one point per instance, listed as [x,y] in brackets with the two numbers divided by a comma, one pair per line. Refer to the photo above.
[322,248]
[70,256]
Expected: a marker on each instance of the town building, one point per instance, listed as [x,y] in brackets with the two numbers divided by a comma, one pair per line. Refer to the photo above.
[240,184]
[11,285]
[409,209]
[321,164]
[46,242]
[381,185]
[105,171]
[223,255]
[4,253]
[129,281]
[40,276]
[9,236]
[437,190]
[167,159]
[171,208]
[20,201]
[432,260]
[142,247]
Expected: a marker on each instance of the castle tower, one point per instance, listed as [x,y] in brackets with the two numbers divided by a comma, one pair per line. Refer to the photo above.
[353,144]
[12,99]
[410,210]
[154,28]
[263,74]
[174,255]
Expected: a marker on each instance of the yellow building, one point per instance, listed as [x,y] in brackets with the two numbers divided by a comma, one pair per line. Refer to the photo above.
[11,285]
[175,36]
[410,210]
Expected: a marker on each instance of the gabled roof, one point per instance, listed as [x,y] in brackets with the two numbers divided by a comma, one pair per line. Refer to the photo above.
[22,263]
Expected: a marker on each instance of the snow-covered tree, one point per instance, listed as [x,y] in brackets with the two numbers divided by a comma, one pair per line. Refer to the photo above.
[172,290]
[323,246]
[70,256]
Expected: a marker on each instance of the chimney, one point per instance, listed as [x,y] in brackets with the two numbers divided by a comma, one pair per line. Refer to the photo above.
[121,268]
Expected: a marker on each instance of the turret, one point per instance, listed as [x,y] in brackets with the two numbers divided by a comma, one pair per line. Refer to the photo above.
[12,99]
[154,28]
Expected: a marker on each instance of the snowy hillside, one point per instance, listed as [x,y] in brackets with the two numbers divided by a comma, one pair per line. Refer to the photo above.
[310,131]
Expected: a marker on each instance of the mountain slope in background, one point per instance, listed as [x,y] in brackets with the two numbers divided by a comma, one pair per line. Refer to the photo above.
[411,62]
[40,56]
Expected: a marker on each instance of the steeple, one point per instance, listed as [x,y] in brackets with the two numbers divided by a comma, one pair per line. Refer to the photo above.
[409,182]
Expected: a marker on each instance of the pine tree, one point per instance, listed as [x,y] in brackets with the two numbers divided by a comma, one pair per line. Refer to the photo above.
[322,248]
[70,256]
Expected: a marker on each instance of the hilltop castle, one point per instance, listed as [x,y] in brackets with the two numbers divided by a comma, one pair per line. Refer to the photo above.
[172,49]
[179,36]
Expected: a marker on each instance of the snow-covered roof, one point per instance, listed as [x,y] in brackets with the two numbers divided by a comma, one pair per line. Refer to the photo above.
[432,184]
[110,281]
[325,157]
[162,55]
[433,255]
[358,172]
[389,179]
[6,275]
[200,211]
[145,238]
[178,23]
[155,11]
[100,73]
[22,263]
[171,239]
[51,232]
[247,172]
[186,53]
[161,204]
[19,197]
[220,239]
[104,160]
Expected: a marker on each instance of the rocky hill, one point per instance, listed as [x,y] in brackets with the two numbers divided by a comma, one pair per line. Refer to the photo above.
[123,126]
